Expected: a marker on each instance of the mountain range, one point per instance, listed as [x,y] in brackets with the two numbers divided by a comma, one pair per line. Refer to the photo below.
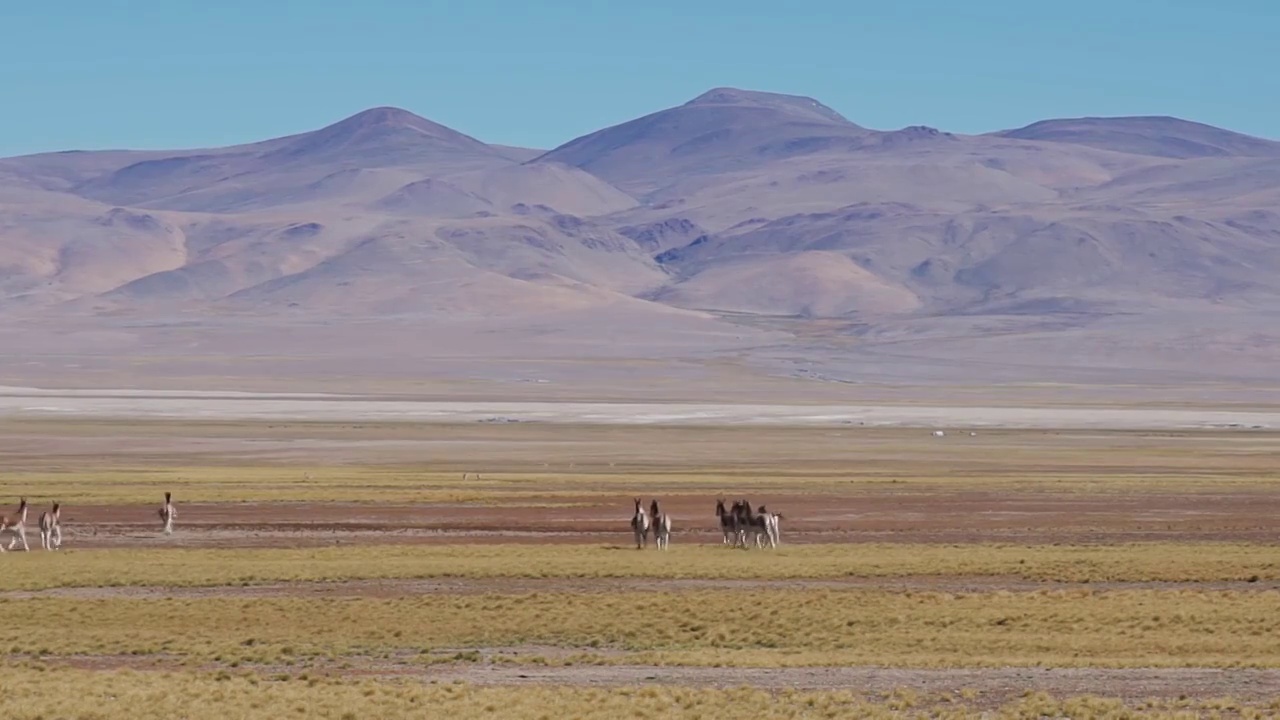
[761,226]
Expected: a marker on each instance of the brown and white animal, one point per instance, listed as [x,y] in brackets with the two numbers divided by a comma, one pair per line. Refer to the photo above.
[167,514]
[728,524]
[640,525]
[750,524]
[16,524]
[661,527]
[51,528]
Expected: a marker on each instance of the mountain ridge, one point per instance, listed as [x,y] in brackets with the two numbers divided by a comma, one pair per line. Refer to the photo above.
[732,204]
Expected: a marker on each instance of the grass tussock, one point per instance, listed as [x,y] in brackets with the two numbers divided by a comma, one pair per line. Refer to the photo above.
[1173,562]
[31,693]
[1138,628]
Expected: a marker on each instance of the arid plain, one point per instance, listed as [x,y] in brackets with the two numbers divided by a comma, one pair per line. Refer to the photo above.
[341,560]
[404,385]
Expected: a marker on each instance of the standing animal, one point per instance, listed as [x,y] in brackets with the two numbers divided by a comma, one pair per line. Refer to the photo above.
[751,525]
[728,523]
[168,513]
[51,528]
[16,524]
[772,528]
[640,525]
[661,527]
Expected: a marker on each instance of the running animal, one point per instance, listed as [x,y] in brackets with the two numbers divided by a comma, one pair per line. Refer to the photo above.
[16,524]
[167,514]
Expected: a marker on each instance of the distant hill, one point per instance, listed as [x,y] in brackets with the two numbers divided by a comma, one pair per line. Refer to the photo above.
[690,229]
[1157,136]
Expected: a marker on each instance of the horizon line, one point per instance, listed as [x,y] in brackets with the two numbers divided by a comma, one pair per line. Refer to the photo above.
[373,108]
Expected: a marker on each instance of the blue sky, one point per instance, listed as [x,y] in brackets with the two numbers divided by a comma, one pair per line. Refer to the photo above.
[88,74]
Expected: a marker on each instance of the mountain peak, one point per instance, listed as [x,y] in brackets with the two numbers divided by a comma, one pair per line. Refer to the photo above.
[386,116]
[794,104]
[383,135]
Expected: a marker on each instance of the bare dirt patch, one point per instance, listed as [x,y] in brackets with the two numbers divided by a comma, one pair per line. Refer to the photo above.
[984,687]
[909,517]
[398,588]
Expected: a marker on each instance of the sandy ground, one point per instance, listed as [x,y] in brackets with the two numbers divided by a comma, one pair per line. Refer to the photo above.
[874,509]
[399,588]
[985,687]
[858,517]
[263,406]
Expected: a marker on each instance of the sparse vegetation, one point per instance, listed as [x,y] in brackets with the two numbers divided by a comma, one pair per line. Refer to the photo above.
[1154,562]
[1138,628]
[36,692]
[263,631]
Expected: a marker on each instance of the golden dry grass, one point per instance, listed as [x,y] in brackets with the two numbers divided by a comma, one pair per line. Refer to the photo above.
[94,462]
[1139,562]
[762,628]
[33,693]
[255,483]
[104,463]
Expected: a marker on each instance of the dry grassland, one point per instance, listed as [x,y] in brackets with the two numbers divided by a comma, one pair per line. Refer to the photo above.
[96,462]
[765,628]
[1151,562]
[34,693]
[216,650]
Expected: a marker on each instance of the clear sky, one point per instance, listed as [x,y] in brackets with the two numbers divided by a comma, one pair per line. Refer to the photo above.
[89,74]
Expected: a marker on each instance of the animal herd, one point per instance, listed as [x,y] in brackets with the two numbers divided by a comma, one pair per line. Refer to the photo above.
[50,525]
[740,525]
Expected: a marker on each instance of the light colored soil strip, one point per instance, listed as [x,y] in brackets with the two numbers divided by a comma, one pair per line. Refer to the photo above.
[458,586]
[985,686]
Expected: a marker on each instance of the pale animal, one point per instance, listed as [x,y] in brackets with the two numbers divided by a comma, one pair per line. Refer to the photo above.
[772,527]
[17,525]
[168,513]
[51,528]
[640,525]
[661,527]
